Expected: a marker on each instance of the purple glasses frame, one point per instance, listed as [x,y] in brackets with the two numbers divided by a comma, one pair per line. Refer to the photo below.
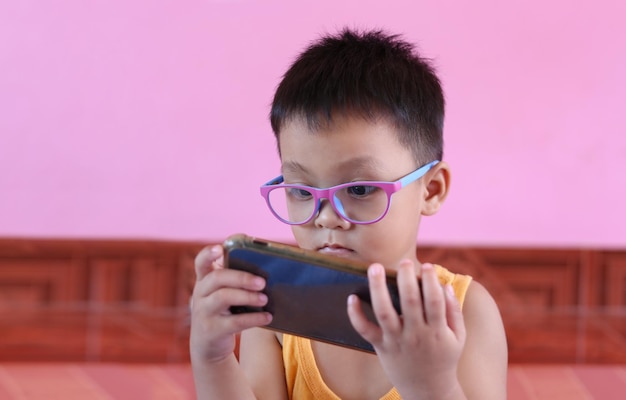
[329,193]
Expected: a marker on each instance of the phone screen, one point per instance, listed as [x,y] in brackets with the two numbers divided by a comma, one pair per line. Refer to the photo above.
[307,299]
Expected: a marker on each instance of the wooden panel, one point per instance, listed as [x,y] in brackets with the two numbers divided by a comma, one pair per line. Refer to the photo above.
[558,305]
[73,300]
[615,282]
[41,282]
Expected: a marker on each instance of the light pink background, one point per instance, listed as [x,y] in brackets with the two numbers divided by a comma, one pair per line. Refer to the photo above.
[148,118]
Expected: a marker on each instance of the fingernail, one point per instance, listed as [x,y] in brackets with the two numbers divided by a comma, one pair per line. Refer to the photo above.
[450,290]
[376,270]
[258,282]
[215,250]
[352,299]
[427,266]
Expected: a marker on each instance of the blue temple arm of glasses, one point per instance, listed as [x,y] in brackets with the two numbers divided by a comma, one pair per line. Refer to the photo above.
[278,180]
[418,173]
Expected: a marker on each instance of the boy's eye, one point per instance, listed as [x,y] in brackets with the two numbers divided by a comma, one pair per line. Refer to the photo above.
[361,190]
[299,194]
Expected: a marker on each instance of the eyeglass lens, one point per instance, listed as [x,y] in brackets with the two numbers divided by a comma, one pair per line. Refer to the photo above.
[361,203]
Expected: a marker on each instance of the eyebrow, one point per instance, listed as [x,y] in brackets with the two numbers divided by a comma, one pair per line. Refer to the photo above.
[357,164]
[292,166]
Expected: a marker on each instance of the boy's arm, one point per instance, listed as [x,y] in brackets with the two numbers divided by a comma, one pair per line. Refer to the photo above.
[223,380]
[216,372]
[261,360]
[482,370]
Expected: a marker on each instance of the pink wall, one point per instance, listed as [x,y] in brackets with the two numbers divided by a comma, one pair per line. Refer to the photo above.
[149,118]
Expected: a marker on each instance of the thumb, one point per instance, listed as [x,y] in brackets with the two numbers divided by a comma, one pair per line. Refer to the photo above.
[208,259]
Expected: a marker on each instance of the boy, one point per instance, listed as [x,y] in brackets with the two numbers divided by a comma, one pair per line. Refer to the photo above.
[355,110]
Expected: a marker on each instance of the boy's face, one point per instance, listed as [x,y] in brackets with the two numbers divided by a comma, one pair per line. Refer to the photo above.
[353,149]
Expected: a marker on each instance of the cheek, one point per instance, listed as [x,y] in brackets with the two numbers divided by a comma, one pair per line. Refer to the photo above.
[302,239]
[395,237]
[391,240]
[406,207]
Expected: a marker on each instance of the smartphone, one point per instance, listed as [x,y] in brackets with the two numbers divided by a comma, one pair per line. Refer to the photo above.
[307,291]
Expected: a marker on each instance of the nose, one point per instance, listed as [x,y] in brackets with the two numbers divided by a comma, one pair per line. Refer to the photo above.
[327,217]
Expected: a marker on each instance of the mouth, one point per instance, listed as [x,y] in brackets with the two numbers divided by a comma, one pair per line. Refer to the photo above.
[336,250]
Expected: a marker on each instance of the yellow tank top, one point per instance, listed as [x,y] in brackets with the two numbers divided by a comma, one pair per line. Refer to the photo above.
[304,381]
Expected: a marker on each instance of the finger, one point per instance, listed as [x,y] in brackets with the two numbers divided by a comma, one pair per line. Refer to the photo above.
[387,317]
[454,314]
[364,327]
[434,301]
[410,296]
[239,322]
[221,323]
[207,260]
[235,323]
[220,301]
[228,278]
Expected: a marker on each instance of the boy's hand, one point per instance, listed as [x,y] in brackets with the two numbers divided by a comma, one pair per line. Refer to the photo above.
[419,350]
[213,326]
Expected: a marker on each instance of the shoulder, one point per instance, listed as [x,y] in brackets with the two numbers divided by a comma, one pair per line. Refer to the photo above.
[478,297]
[485,356]
[481,312]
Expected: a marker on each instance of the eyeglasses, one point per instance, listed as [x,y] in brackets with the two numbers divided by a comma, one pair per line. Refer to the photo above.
[363,202]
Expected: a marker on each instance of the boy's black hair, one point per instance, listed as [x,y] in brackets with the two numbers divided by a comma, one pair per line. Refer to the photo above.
[369,74]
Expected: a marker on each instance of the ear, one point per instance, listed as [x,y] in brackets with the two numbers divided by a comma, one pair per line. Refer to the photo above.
[437,187]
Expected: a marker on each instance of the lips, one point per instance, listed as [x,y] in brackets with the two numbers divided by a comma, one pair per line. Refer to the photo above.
[335,249]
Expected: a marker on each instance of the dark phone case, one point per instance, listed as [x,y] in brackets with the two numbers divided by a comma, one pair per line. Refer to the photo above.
[307,291]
